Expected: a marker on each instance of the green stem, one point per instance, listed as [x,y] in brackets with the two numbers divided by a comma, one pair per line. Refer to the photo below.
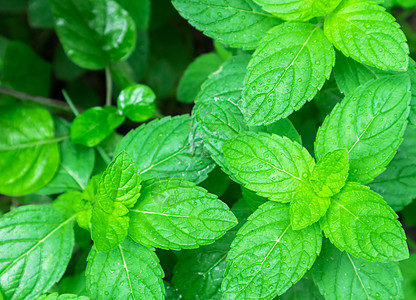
[70,103]
[109,85]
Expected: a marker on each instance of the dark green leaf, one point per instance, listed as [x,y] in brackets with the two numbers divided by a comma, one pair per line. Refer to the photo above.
[40,14]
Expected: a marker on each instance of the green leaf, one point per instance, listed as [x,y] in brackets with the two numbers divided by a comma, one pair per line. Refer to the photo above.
[137,102]
[360,222]
[340,275]
[56,296]
[94,33]
[76,284]
[94,125]
[408,268]
[268,256]
[175,214]
[252,199]
[368,123]
[289,67]
[36,244]
[195,74]
[28,150]
[76,165]
[397,184]
[362,30]
[162,148]
[40,14]
[272,166]
[139,11]
[239,23]
[25,71]
[304,289]
[131,271]
[330,173]
[298,9]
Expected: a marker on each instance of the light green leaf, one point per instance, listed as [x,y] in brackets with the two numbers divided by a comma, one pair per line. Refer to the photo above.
[272,166]
[238,23]
[162,148]
[76,165]
[360,222]
[94,125]
[94,32]
[330,173]
[131,271]
[361,29]
[175,214]
[368,123]
[28,150]
[341,276]
[56,296]
[139,11]
[268,256]
[36,244]
[291,64]
[397,184]
[195,74]
[137,102]
[408,268]
[298,9]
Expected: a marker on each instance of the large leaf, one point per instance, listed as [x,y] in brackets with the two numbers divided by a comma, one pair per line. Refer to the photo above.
[36,244]
[94,32]
[238,23]
[162,148]
[360,222]
[131,271]
[397,184]
[408,268]
[369,123]
[363,30]
[268,256]
[175,214]
[28,150]
[291,64]
[272,166]
[340,275]
[56,296]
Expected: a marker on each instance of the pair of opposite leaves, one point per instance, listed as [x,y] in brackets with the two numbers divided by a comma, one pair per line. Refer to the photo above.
[293,59]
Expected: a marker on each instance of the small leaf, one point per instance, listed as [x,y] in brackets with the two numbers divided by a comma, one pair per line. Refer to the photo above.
[131,271]
[330,173]
[291,64]
[268,256]
[39,14]
[340,275]
[363,30]
[29,153]
[195,74]
[137,102]
[240,23]
[162,148]
[94,125]
[36,243]
[252,199]
[272,166]
[360,222]
[94,33]
[175,214]
[368,123]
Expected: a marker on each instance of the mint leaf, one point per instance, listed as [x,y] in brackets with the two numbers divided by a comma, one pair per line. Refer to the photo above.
[131,271]
[195,74]
[239,23]
[29,153]
[94,33]
[272,166]
[252,199]
[363,30]
[94,125]
[137,102]
[291,64]
[340,275]
[360,222]
[139,11]
[162,148]
[35,236]
[56,296]
[39,14]
[175,214]
[330,173]
[76,166]
[268,256]
[303,289]
[397,184]
[408,268]
[368,123]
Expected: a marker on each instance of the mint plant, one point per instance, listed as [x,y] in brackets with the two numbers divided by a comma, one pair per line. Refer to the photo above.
[122,127]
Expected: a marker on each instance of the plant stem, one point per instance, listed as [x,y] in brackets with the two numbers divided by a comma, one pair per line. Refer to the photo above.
[70,103]
[109,85]
[39,99]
